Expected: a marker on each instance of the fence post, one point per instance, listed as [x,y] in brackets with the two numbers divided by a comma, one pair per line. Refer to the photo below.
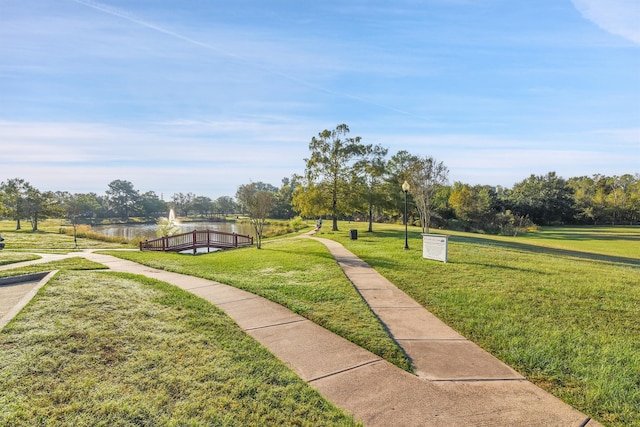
[163,243]
[235,239]
[195,240]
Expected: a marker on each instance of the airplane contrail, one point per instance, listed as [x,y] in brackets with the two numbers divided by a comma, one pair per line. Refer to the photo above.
[131,18]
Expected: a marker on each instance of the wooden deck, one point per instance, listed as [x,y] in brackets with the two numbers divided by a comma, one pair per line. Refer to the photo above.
[196,239]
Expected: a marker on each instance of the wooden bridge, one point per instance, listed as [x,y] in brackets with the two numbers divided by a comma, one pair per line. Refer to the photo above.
[193,240]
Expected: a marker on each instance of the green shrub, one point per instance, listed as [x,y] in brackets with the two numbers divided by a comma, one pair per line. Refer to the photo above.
[297,224]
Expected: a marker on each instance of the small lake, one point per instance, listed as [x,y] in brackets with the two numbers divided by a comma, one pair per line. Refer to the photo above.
[148,231]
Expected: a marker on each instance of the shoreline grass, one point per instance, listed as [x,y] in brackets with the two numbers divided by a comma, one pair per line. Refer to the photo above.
[97,348]
[50,240]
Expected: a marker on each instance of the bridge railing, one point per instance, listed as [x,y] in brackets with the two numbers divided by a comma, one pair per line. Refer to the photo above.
[197,239]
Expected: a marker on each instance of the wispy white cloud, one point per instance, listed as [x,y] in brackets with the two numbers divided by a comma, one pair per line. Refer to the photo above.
[214,157]
[304,67]
[202,97]
[619,17]
[512,165]
[499,160]
[191,156]
[224,142]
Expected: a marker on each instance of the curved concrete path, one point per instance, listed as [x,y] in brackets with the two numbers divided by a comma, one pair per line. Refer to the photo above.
[457,382]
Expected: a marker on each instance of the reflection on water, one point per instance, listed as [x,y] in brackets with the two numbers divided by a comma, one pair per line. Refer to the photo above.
[148,231]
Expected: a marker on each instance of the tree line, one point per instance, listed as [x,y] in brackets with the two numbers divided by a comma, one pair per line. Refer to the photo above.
[345,178]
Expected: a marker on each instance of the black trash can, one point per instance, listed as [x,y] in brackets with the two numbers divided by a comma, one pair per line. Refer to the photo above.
[354,234]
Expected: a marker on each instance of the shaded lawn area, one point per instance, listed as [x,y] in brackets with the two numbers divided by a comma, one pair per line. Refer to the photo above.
[567,319]
[98,348]
[616,244]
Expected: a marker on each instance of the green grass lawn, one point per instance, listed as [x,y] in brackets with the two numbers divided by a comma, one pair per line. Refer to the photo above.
[297,273]
[604,243]
[7,257]
[560,305]
[567,317]
[614,241]
[107,349]
[72,263]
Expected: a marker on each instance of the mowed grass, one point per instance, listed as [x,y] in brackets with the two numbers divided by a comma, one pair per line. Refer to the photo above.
[106,349]
[567,318]
[613,241]
[601,243]
[560,305]
[13,257]
[71,263]
[299,274]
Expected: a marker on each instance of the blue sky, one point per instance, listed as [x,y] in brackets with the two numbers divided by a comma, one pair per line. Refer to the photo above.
[203,96]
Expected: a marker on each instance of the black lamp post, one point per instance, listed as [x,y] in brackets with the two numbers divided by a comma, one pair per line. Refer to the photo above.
[405,188]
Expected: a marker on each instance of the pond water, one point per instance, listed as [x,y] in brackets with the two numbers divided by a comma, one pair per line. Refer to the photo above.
[148,231]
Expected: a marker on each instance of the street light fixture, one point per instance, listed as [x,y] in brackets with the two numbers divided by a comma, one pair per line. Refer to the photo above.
[405,188]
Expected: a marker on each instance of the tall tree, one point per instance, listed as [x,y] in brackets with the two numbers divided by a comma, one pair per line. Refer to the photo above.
[151,205]
[202,205]
[80,205]
[283,207]
[258,204]
[397,172]
[182,203]
[634,200]
[333,154]
[583,188]
[373,167]
[76,206]
[40,205]
[545,199]
[471,204]
[13,193]
[310,200]
[426,176]
[620,199]
[225,205]
[122,197]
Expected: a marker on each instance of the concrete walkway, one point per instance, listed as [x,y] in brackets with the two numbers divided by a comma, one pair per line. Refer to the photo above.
[437,352]
[457,382]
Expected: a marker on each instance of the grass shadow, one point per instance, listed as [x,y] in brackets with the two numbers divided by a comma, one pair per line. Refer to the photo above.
[632,262]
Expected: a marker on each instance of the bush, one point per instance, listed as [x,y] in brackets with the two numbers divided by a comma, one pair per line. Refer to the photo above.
[166,227]
[297,224]
[509,224]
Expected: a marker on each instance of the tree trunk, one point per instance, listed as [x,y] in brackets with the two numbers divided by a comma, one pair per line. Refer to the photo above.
[258,226]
